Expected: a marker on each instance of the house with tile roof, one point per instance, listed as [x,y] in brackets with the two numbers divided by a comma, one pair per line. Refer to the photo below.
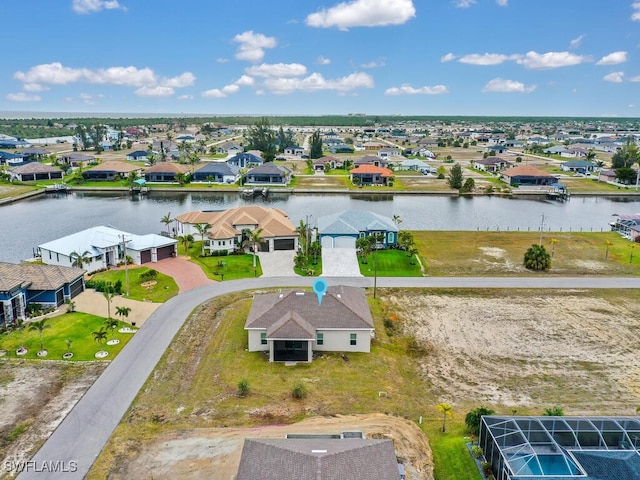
[32,171]
[341,230]
[48,285]
[325,163]
[216,172]
[291,325]
[491,164]
[105,247]
[110,170]
[318,459]
[268,174]
[164,172]
[527,175]
[370,175]
[229,228]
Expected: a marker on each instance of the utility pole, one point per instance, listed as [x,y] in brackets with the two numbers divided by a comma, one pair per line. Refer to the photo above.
[541,228]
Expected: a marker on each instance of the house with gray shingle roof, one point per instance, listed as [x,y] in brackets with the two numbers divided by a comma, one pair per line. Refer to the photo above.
[318,459]
[291,325]
[48,285]
[33,171]
[341,230]
[268,174]
[216,172]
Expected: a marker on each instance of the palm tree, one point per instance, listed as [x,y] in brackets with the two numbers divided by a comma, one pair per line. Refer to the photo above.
[413,251]
[202,229]
[40,326]
[79,260]
[123,312]
[397,220]
[108,295]
[19,326]
[252,240]
[111,324]
[537,258]
[553,412]
[100,336]
[167,220]
[474,417]
[447,411]
[185,240]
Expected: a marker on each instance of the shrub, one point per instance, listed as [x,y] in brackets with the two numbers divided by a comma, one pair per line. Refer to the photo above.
[537,258]
[553,412]
[489,189]
[477,451]
[243,388]
[473,417]
[299,390]
[486,468]
[148,275]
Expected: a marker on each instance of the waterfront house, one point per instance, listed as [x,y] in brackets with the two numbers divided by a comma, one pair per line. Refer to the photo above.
[325,163]
[268,174]
[216,172]
[229,228]
[607,176]
[105,247]
[341,230]
[165,172]
[370,175]
[527,176]
[291,325]
[627,225]
[32,171]
[77,159]
[47,285]
[111,170]
[318,457]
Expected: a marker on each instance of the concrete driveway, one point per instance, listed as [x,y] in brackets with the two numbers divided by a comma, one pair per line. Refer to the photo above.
[340,262]
[278,263]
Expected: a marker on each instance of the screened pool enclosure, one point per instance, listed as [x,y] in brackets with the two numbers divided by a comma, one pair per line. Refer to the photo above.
[562,448]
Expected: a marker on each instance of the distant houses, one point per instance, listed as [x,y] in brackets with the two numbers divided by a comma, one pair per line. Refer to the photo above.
[491,164]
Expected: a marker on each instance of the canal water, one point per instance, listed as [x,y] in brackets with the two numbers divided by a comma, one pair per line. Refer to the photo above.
[28,223]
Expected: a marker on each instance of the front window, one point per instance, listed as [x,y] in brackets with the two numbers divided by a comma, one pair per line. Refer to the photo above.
[320,339]
[263,338]
[354,339]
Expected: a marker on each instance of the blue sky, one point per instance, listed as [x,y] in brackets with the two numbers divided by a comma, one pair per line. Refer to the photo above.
[410,57]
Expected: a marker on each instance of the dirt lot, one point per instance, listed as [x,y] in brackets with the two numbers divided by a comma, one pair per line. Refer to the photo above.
[215,452]
[34,398]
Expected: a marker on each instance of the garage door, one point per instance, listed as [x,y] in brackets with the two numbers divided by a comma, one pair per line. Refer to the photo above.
[327,242]
[283,244]
[345,242]
[145,256]
[76,287]
[165,252]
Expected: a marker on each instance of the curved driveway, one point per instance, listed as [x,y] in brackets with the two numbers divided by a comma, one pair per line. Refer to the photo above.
[86,429]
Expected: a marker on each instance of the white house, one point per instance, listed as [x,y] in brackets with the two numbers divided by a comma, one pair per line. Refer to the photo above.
[105,247]
[389,153]
[294,150]
[291,325]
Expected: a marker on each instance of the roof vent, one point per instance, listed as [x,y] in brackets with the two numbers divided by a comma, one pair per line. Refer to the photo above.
[300,293]
[339,296]
[318,451]
[281,295]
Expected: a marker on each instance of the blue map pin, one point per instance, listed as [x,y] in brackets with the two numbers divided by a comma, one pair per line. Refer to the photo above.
[320,288]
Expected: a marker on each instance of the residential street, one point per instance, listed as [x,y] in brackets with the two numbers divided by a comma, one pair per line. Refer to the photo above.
[87,428]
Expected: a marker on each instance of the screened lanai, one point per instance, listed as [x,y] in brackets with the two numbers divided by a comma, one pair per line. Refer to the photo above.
[535,448]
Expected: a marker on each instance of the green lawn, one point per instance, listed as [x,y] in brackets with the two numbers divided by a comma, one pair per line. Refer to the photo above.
[163,289]
[314,266]
[8,190]
[234,268]
[389,263]
[77,327]
[451,458]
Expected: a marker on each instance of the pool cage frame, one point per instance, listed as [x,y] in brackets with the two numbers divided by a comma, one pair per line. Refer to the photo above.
[528,448]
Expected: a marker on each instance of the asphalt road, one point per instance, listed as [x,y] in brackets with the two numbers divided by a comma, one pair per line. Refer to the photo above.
[74,446]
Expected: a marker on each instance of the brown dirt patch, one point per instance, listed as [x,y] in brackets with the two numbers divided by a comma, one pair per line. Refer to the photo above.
[215,452]
[527,349]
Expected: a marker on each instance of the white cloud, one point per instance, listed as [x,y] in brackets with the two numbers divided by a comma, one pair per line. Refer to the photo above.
[181,81]
[503,3]
[22,97]
[53,73]
[155,91]
[577,41]
[185,97]
[252,45]
[535,60]
[245,80]
[635,15]
[129,76]
[323,60]
[484,59]
[92,6]
[277,70]
[222,60]
[613,58]
[363,13]
[635,79]
[448,57]
[407,89]
[89,98]
[34,87]
[374,64]
[463,3]
[316,82]
[507,86]
[614,77]
[221,92]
